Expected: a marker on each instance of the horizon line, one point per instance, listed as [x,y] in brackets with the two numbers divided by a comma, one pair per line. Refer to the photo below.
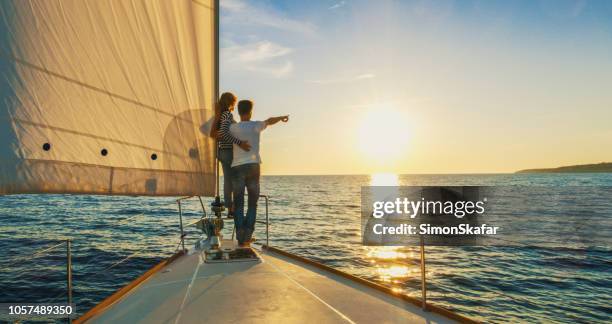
[369,174]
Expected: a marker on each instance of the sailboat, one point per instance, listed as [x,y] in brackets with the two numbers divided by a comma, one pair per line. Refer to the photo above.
[113,97]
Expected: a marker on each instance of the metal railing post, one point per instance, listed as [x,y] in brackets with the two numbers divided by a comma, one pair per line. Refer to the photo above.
[267,224]
[69,273]
[181,223]
[423,277]
[202,204]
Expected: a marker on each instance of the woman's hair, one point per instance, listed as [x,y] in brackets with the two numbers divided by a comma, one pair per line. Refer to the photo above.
[226,100]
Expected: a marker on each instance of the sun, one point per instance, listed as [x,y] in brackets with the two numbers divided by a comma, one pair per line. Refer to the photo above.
[383,133]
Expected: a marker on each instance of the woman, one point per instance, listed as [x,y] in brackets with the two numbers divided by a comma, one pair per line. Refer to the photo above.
[225,140]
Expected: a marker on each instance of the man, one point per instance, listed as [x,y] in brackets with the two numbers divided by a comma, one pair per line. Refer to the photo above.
[245,169]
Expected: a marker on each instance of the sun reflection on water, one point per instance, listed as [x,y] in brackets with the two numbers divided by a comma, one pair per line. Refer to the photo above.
[390,263]
[393,273]
[389,253]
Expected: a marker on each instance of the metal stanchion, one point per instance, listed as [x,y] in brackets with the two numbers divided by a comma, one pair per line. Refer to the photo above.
[69,273]
[267,222]
[181,223]
[423,277]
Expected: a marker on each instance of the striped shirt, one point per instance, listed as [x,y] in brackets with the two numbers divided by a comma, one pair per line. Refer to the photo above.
[225,138]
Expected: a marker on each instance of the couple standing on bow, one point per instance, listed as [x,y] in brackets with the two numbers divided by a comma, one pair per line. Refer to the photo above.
[238,152]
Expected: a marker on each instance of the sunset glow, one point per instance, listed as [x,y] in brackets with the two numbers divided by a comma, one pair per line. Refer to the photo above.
[383,134]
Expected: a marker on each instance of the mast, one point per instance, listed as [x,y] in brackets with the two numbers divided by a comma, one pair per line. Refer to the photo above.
[216,92]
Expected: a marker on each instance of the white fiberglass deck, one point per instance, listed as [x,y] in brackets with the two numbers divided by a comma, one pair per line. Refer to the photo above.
[275,290]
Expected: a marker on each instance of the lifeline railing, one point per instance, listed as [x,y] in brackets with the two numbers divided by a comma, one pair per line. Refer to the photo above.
[45,251]
[68,242]
[183,235]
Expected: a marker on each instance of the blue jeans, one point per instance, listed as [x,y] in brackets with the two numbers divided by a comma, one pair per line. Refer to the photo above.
[246,175]
[226,156]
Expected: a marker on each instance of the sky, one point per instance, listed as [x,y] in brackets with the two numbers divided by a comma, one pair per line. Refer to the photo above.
[423,86]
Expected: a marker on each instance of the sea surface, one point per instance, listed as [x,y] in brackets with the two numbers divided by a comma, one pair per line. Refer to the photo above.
[115,239]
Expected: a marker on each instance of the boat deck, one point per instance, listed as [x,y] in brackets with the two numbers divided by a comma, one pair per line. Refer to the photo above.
[274,289]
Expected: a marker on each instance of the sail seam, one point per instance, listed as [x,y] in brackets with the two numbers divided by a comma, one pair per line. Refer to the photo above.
[90,87]
[114,167]
[202,4]
[95,137]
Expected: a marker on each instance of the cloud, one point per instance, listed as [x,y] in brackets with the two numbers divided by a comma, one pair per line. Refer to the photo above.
[338,5]
[364,76]
[240,12]
[232,5]
[359,77]
[276,70]
[256,52]
[260,56]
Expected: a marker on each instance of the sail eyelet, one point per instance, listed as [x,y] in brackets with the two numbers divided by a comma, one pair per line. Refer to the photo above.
[46,146]
[153,156]
[104,152]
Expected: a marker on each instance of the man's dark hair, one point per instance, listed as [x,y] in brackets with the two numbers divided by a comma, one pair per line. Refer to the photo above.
[245,107]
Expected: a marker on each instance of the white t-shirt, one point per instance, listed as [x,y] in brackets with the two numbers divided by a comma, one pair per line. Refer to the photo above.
[247,131]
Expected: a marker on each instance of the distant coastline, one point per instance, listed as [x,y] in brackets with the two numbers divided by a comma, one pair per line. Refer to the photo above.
[603,167]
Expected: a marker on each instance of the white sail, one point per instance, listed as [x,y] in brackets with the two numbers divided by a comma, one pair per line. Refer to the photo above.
[106,96]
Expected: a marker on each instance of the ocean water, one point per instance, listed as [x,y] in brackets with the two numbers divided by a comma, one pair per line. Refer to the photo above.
[115,239]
